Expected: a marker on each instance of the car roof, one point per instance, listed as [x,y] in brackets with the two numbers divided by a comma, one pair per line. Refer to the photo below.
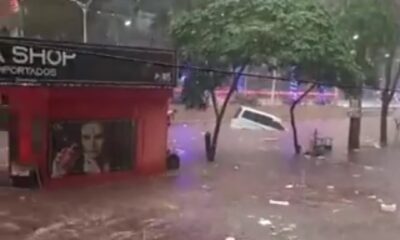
[244,108]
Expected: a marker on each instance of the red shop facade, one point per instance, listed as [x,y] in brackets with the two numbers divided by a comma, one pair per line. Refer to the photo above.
[77,114]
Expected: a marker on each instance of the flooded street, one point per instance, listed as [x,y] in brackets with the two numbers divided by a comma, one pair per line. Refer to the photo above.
[255,190]
[199,120]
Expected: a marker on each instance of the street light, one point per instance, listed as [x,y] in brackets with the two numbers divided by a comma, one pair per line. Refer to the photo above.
[84,8]
[128,23]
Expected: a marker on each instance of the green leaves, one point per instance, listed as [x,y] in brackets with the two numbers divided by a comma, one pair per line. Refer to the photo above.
[376,25]
[299,32]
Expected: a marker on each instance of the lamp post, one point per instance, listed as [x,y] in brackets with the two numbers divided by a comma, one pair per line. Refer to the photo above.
[273,69]
[84,8]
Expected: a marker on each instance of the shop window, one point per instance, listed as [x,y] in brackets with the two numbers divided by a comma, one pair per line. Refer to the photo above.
[91,147]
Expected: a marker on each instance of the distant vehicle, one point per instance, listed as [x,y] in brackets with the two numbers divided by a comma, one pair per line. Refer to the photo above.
[253,119]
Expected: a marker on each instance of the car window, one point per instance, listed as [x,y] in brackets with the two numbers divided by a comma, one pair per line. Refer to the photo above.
[268,121]
[262,119]
[249,115]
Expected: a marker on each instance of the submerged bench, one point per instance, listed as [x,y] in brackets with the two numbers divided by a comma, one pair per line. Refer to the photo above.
[320,145]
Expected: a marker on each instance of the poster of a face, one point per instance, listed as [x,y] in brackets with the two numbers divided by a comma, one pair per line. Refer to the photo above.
[90,147]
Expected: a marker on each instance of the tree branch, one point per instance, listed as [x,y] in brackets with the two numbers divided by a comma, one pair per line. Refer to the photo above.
[299,99]
[214,102]
[233,87]
[220,116]
[297,147]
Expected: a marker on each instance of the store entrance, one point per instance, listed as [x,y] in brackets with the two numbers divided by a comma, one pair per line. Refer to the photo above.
[5,179]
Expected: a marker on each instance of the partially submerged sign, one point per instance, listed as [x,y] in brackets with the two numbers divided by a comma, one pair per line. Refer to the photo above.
[49,62]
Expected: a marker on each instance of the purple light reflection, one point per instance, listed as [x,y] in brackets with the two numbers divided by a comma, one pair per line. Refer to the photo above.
[187,141]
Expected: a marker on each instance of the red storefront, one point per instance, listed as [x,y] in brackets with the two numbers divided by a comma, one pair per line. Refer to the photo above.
[85,113]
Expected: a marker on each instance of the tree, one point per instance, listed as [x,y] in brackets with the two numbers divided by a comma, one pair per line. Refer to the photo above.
[374,27]
[290,32]
[391,63]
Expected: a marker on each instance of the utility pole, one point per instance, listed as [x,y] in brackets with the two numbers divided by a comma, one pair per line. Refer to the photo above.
[273,88]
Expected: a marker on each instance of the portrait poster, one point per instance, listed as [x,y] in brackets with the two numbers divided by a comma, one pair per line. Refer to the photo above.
[91,147]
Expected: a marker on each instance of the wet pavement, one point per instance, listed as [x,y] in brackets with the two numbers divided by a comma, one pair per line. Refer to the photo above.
[314,199]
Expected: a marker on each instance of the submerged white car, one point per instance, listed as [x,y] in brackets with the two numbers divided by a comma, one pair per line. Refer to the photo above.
[253,119]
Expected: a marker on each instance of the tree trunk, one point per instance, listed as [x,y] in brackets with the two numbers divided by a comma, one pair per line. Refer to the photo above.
[384,115]
[355,124]
[297,147]
[354,133]
[387,96]
[220,116]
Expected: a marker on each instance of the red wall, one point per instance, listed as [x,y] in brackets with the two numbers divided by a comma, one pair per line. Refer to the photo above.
[147,107]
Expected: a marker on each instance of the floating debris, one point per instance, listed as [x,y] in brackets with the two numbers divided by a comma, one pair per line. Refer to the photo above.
[123,235]
[271,139]
[373,197]
[10,227]
[334,211]
[44,230]
[279,203]
[264,222]
[290,186]
[347,201]
[368,168]
[388,207]
[289,228]
[236,167]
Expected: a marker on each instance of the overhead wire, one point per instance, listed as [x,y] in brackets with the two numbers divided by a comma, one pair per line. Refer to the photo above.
[74,47]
